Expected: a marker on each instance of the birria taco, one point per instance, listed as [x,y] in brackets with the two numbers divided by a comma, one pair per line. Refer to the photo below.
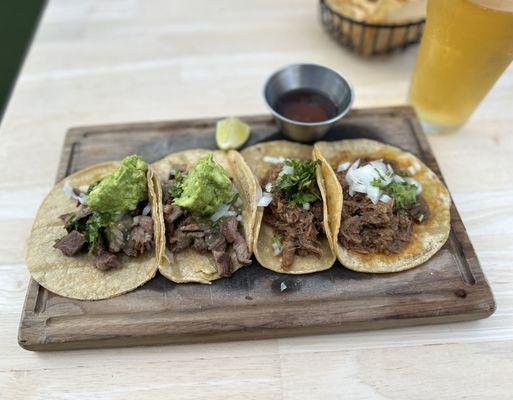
[388,211]
[93,236]
[208,212]
[292,231]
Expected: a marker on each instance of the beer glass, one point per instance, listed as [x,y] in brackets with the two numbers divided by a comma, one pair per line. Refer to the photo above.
[466,46]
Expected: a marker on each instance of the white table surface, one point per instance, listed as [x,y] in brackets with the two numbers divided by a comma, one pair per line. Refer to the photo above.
[133,60]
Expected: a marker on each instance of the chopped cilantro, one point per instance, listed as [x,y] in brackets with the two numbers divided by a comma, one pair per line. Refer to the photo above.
[176,190]
[277,240]
[404,193]
[233,200]
[93,226]
[299,186]
[92,186]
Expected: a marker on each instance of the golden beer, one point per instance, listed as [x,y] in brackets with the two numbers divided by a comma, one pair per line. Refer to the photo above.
[466,46]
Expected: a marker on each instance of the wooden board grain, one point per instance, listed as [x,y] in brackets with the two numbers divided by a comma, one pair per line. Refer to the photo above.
[255,302]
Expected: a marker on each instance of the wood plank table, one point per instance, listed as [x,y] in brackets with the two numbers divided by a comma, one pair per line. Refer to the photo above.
[96,62]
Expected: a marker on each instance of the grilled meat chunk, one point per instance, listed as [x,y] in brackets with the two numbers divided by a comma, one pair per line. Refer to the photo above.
[71,244]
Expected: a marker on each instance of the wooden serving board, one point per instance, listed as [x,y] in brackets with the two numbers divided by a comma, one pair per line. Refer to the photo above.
[257,303]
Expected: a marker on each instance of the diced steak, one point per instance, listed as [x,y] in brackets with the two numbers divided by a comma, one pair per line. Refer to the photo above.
[229,230]
[199,245]
[215,241]
[141,234]
[106,261]
[241,250]
[179,242]
[185,230]
[172,212]
[117,233]
[223,263]
[71,244]
[75,218]
[194,227]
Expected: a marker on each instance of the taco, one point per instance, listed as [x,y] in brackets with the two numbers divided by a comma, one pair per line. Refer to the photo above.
[292,231]
[94,235]
[388,211]
[208,212]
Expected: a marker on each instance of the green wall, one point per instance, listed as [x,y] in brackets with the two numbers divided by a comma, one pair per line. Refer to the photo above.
[18,22]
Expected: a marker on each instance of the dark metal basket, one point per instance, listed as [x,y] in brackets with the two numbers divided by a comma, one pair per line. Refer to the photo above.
[369,39]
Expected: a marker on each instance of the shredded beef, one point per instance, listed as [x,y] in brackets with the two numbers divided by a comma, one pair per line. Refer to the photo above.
[71,244]
[377,228]
[298,228]
[288,252]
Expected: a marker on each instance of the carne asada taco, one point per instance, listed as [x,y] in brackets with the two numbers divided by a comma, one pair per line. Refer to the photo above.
[208,212]
[292,231]
[93,237]
[388,211]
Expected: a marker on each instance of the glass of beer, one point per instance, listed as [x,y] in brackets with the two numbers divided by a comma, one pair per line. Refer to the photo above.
[466,46]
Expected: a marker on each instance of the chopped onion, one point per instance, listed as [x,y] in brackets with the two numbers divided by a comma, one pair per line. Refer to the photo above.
[360,179]
[68,191]
[170,255]
[380,166]
[277,249]
[265,200]
[306,206]
[274,160]
[356,164]
[364,175]
[286,170]
[223,211]
[268,187]
[413,168]
[147,209]
[414,182]
[357,188]
[239,218]
[385,198]
[343,166]
[283,287]
[374,194]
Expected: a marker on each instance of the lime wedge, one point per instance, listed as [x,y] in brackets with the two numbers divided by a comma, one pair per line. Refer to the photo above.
[231,133]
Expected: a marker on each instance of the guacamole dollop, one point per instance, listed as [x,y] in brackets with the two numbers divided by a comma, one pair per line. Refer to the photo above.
[205,187]
[123,189]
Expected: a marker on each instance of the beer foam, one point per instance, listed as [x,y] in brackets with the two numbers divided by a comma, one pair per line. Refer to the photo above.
[497,5]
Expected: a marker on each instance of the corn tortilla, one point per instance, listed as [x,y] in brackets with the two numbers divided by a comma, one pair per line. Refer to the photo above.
[428,237]
[189,265]
[264,232]
[76,277]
